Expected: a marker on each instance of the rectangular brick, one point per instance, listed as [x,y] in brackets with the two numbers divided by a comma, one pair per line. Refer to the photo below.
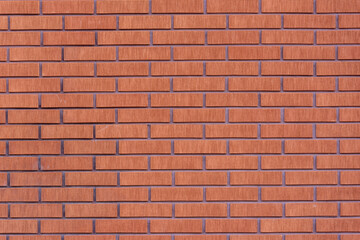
[89,85]
[122,69]
[121,162]
[309,21]
[254,115]
[19,195]
[68,7]
[308,52]
[349,115]
[67,69]
[89,53]
[18,101]
[3,55]
[231,225]
[19,70]
[122,194]
[232,68]
[254,84]
[198,84]
[145,147]
[311,178]
[176,131]
[255,178]
[287,68]
[152,84]
[338,162]
[287,194]
[66,163]
[18,163]
[143,115]
[67,194]
[349,52]
[176,100]
[19,132]
[89,116]
[287,162]
[232,6]
[231,131]
[121,131]
[66,226]
[310,146]
[36,23]
[287,131]
[66,131]
[176,162]
[233,37]
[338,225]
[33,116]
[34,85]
[338,193]
[255,146]
[334,6]
[121,100]
[283,6]
[200,210]
[121,6]
[90,210]
[254,21]
[349,177]
[311,209]
[200,147]
[145,179]
[178,194]
[124,38]
[176,68]
[287,37]
[338,37]
[309,84]
[255,210]
[68,38]
[286,225]
[253,53]
[349,209]
[185,6]
[310,115]
[349,21]
[67,101]
[220,194]
[178,37]
[90,22]
[90,179]
[200,178]
[36,211]
[338,130]
[176,226]
[145,210]
[349,146]
[19,38]
[337,99]
[3,22]
[199,21]
[286,99]
[145,22]
[231,162]
[90,147]
[34,147]
[36,179]
[121,226]
[199,53]
[144,53]
[337,68]
[19,7]
[18,226]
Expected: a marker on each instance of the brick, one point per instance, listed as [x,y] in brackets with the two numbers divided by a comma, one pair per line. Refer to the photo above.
[231,99]
[338,37]
[231,6]
[19,132]
[178,37]
[146,237]
[338,225]
[220,194]
[145,22]
[286,225]
[90,179]
[349,21]
[67,69]
[89,85]
[176,162]
[33,116]
[69,38]
[199,115]
[253,53]
[89,53]
[287,68]
[349,115]
[18,101]
[255,210]
[34,147]
[272,6]
[255,21]
[348,237]
[121,226]
[66,131]
[20,7]
[338,99]
[287,37]
[145,178]
[338,130]
[18,163]
[308,52]
[34,85]
[310,115]
[309,84]
[231,225]
[66,226]
[67,195]
[36,23]
[152,84]
[89,116]
[199,21]
[310,146]
[19,70]
[200,178]
[231,162]
[200,237]
[286,99]
[258,237]
[18,226]
[19,195]
[200,210]
[177,131]
[124,38]
[309,21]
[176,226]
[185,6]
[68,7]
[67,101]
[121,162]
[311,178]
[3,211]
[144,115]
[3,182]
[287,194]
[90,22]
[311,209]
[90,210]
[337,68]
[287,162]
[2,116]
[286,131]
[198,83]
[255,178]
[89,147]
[232,68]
[3,148]
[122,69]
[255,146]
[348,52]
[122,6]
[121,100]
[254,115]
[349,177]
[3,22]
[66,163]
[349,209]
[176,68]
[36,211]
[334,6]
[199,53]
[145,147]
[338,193]
[122,194]
[233,37]
[254,84]
[145,210]
[19,38]
[36,179]
[179,194]
[35,237]
[338,162]
[200,147]
[231,131]
[349,146]
[3,57]
[121,131]
[176,100]
[144,53]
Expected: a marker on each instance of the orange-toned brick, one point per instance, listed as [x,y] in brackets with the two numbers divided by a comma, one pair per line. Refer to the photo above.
[90,22]
[34,85]
[121,162]
[199,84]
[286,131]
[176,226]
[349,21]
[19,195]
[310,146]
[122,6]
[121,131]
[144,53]
[69,38]
[308,52]
[67,195]
[309,21]
[349,177]
[350,209]
[145,178]
[287,194]
[337,68]
[89,85]
[89,116]
[348,52]
[185,6]
[176,68]
[255,146]
[199,53]
[145,22]
[121,226]
[18,101]
[231,99]
[255,178]
[337,99]
[68,7]
[33,116]
[200,178]
[176,162]
[124,38]
[349,115]
[254,84]
[36,211]
[152,84]
[19,7]
[177,194]
[338,130]
[19,70]
[253,53]
[36,179]
[66,163]
[19,38]
[232,68]
[338,37]
[122,69]
[338,193]
[309,84]
[310,115]
[36,23]
[143,115]
[19,132]
[334,6]
[255,210]
[338,225]
[176,100]
[286,99]
[311,178]
[254,115]
[200,210]
[287,162]
[121,100]
[145,210]
[287,68]
[231,225]
[287,37]
[34,147]
[280,6]
[178,37]
[122,194]
[176,131]
[18,226]
[90,147]
[3,22]
[232,6]
[3,54]
[199,21]
[254,21]
[233,37]
[66,131]
[349,146]
[338,162]
[90,179]
[89,53]
[67,69]
[286,225]
[18,163]
[145,147]
[67,101]
[66,226]
[200,147]
[311,209]
[90,210]
[231,162]
[231,131]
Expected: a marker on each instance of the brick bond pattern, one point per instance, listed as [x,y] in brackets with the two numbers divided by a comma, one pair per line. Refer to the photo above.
[180,120]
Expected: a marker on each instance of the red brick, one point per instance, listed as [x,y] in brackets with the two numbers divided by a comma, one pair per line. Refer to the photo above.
[178,194]
[255,210]
[68,7]
[287,37]
[34,85]
[18,226]
[309,52]
[145,210]
[19,38]
[255,21]
[145,178]
[121,226]
[36,179]
[199,21]
[121,131]
[286,225]
[309,84]
[121,162]
[90,179]
[349,115]
[338,130]
[177,131]
[66,226]
[200,178]
[19,195]
[36,23]
[338,99]
[122,6]
[350,209]
[3,22]
[338,225]
[185,6]
[199,84]
[338,37]
[309,21]
[349,146]
[334,6]
[255,146]
[200,237]
[231,162]
[18,101]
[69,38]
[311,178]
[349,21]
[253,53]
[338,162]
[279,6]
[124,38]
[176,226]
[254,84]
[66,131]
[67,69]
[90,210]
[36,211]
[232,6]
[177,100]
[287,162]
[67,194]
[349,52]
[287,68]
[231,194]
[233,37]
[254,115]
[89,53]
[337,68]
[176,162]
[3,213]
[231,225]
[349,177]
[19,70]
[286,99]
[2,116]
[286,131]
[144,53]
[310,146]
[89,85]
[90,22]
[145,22]
[200,147]
[89,116]
[287,194]
[66,163]
[34,147]
[3,182]
[257,237]
[90,147]
[176,68]
[67,101]
[200,210]
[255,178]
[232,68]
[311,209]
[152,84]
[19,7]
[145,147]
[89,237]
[33,116]
[178,37]
[19,132]
[231,99]
[122,194]
[338,193]
[310,115]
[121,100]
[199,53]
[231,131]
[144,115]
[199,115]
[122,69]
[3,57]
[18,163]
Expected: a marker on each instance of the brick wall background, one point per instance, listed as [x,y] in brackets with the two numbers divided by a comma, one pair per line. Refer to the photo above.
[180,120]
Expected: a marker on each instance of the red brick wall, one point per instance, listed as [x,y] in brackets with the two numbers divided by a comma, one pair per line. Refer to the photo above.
[180,120]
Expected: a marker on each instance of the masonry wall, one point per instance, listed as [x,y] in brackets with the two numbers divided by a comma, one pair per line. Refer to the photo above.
[180,120]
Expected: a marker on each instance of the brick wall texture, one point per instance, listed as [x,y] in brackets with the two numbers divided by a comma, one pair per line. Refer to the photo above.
[180,120]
